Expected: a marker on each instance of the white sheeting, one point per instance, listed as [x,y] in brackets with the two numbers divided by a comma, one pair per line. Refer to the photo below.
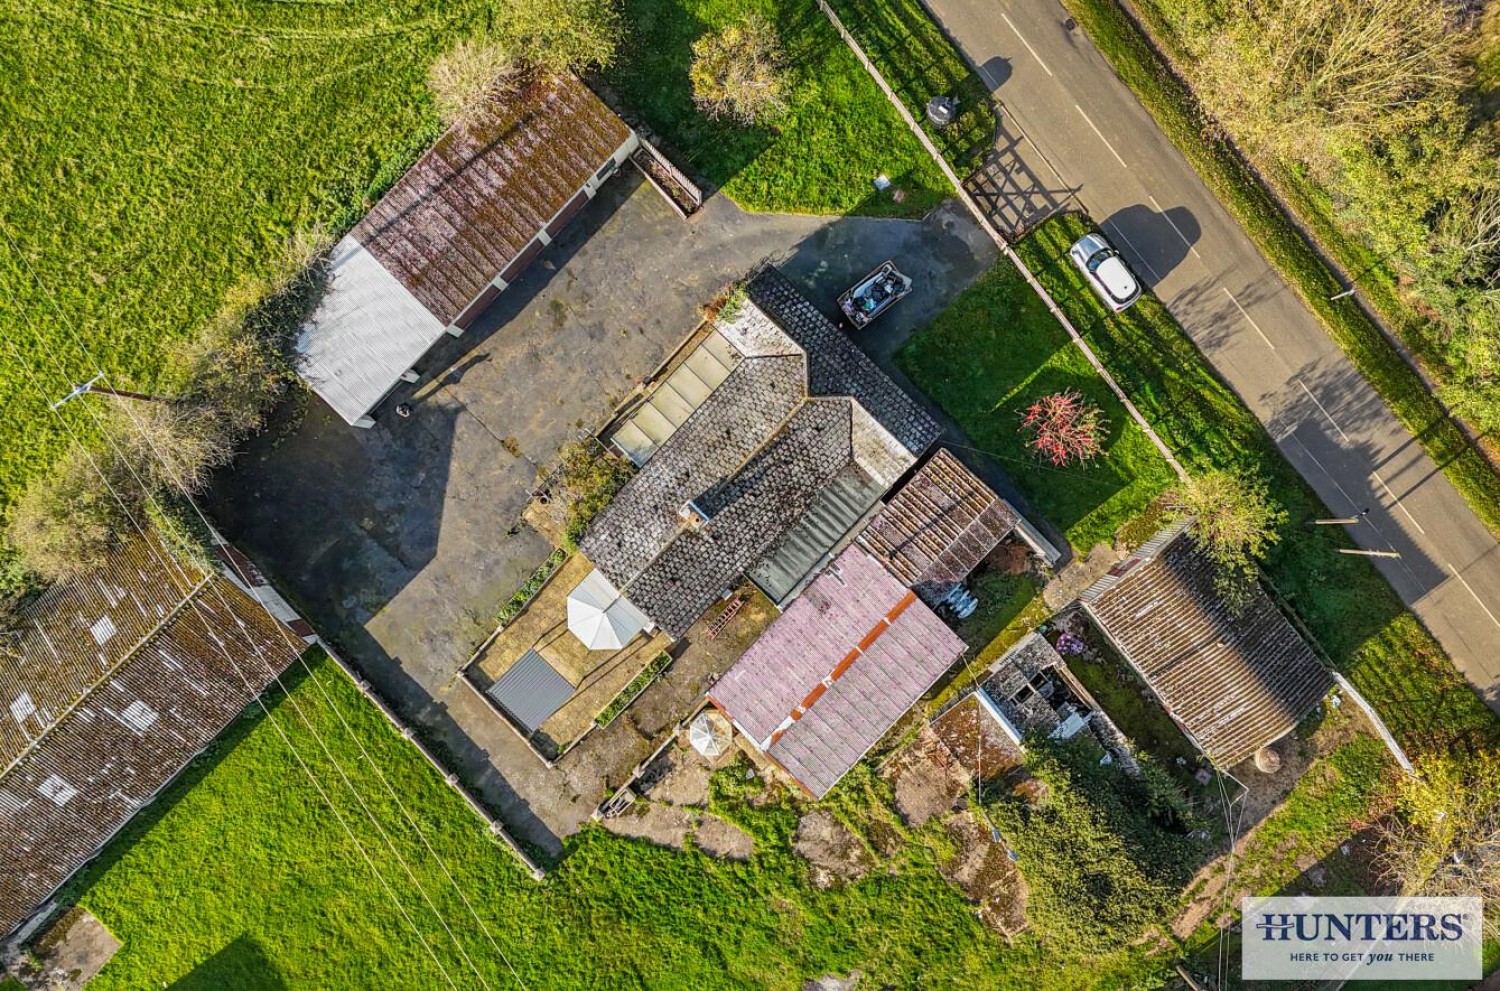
[600,616]
[366,332]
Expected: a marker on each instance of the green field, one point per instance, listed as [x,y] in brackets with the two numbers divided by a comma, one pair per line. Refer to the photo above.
[242,878]
[161,155]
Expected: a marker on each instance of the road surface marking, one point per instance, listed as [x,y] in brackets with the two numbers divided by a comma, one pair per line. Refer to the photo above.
[1101,136]
[1473,593]
[1168,219]
[1252,323]
[1363,514]
[1027,44]
[1155,277]
[1398,503]
[1324,411]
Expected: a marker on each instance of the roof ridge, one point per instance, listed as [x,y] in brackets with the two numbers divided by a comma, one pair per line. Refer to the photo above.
[105,675]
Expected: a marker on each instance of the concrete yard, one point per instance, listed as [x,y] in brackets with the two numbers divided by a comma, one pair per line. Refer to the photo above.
[401,542]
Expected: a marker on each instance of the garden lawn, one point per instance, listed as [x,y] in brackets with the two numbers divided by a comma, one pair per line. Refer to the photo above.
[240,877]
[822,156]
[161,155]
[1351,612]
[990,354]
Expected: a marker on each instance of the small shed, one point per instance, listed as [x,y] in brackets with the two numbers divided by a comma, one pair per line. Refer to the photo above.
[1234,681]
[457,229]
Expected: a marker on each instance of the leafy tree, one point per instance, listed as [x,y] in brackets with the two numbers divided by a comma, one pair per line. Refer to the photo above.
[562,35]
[1445,836]
[738,72]
[1233,521]
[1064,427]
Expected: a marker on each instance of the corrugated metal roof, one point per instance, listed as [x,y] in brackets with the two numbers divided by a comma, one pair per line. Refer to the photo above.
[1236,681]
[834,672]
[469,207]
[531,691]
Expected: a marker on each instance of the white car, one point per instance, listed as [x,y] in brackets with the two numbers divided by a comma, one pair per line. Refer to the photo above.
[1106,271]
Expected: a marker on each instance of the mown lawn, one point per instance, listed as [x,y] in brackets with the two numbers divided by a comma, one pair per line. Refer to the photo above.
[1351,611]
[991,353]
[242,878]
[159,155]
[822,156]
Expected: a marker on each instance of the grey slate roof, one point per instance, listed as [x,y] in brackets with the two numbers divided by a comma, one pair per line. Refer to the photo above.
[1234,682]
[937,528]
[146,709]
[753,458]
[835,671]
[836,367]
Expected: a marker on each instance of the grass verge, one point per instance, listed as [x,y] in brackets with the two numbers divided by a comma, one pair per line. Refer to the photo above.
[820,157]
[919,63]
[1142,68]
[1353,613]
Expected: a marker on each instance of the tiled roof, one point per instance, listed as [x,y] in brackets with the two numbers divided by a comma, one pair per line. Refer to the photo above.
[937,528]
[752,458]
[131,727]
[836,367]
[469,206]
[1235,682]
[834,672]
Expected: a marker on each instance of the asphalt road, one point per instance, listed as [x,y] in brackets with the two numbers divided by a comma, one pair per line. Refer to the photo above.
[1073,129]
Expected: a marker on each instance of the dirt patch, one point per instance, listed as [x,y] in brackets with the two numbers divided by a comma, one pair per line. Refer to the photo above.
[70,953]
[1079,574]
[831,982]
[837,856]
[671,826]
[678,777]
[926,780]
[983,871]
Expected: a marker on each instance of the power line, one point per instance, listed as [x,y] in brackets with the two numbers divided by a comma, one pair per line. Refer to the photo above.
[255,648]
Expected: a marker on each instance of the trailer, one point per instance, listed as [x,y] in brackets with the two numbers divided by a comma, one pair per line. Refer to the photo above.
[874,294]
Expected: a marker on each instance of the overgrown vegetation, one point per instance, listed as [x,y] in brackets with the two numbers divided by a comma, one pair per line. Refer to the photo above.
[1242,191]
[1103,857]
[821,155]
[469,77]
[1234,522]
[587,478]
[737,72]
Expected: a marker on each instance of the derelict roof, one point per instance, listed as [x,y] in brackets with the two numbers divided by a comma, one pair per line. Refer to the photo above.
[834,672]
[938,526]
[468,208]
[168,689]
[1236,682]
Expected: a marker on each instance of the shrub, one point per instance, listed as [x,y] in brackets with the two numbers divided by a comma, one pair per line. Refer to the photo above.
[590,477]
[469,77]
[1233,521]
[562,35]
[738,72]
[1064,428]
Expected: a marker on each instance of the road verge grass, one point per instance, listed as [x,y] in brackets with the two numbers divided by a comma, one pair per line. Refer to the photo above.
[1352,612]
[1137,62]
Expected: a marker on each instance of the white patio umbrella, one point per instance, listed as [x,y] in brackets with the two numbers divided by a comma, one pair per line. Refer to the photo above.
[710,734]
[602,618]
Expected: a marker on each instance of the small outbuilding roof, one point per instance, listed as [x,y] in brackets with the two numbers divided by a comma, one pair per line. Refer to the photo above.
[938,526]
[1234,681]
[115,683]
[833,673]
[465,213]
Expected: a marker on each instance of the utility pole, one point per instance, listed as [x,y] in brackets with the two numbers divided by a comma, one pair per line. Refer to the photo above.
[1364,553]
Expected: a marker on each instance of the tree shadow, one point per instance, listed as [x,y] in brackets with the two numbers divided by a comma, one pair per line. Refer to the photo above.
[241,964]
[1154,242]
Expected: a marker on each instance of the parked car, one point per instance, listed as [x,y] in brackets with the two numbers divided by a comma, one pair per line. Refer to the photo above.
[874,294]
[1106,271]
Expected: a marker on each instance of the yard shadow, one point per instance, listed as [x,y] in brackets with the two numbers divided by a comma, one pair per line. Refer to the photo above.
[241,965]
[1153,242]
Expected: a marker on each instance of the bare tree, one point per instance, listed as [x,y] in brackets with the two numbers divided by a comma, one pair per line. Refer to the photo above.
[739,72]
[469,78]
[1064,428]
